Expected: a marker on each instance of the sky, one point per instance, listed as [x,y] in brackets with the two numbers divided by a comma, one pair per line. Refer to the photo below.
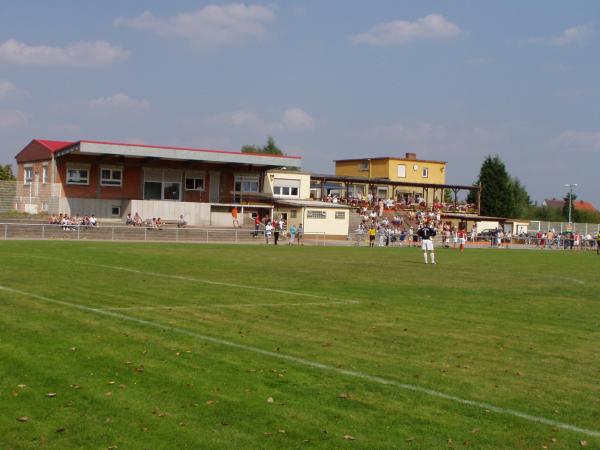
[453,81]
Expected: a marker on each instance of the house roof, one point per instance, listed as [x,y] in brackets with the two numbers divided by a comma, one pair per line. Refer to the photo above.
[554,202]
[583,206]
[395,158]
[59,148]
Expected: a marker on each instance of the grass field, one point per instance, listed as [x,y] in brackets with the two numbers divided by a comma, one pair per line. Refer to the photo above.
[164,346]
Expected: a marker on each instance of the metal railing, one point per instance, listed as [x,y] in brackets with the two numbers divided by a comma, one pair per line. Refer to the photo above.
[36,231]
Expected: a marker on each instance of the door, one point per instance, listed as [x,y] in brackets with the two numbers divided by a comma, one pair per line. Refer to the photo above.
[215,182]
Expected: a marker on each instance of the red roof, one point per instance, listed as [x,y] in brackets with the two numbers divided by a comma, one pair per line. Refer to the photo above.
[583,206]
[54,146]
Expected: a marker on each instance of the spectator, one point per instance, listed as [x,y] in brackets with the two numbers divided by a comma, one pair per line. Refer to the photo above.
[300,235]
[234,216]
[181,223]
[129,220]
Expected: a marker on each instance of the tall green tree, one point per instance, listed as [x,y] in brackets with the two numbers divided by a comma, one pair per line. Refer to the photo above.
[6,173]
[270,148]
[496,188]
[520,199]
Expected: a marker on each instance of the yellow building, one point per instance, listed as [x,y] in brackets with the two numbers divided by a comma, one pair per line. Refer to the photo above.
[407,170]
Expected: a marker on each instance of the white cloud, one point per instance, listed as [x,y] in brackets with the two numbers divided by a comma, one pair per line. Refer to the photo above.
[292,120]
[119,102]
[296,119]
[579,140]
[576,34]
[8,89]
[13,118]
[400,32]
[80,54]
[210,27]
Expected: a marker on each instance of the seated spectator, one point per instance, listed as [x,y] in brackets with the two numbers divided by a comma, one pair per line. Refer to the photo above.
[93,221]
[137,220]
[158,223]
[181,223]
[129,220]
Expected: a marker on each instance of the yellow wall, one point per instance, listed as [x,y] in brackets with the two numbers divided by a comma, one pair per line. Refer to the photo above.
[388,168]
[414,171]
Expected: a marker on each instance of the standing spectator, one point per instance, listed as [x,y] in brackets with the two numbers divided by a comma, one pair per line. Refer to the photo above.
[300,235]
[268,230]
[234,216]
[257,223]
[292,234]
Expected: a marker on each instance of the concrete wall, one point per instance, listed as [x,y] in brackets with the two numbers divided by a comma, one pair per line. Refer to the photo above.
[87,206]
[197,214]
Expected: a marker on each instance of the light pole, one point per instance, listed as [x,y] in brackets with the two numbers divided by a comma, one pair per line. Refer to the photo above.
[570,186]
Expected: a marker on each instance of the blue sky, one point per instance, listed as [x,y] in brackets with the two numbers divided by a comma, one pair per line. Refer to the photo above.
[327,79]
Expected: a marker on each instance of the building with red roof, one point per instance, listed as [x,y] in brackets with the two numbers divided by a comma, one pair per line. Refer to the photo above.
[111,179]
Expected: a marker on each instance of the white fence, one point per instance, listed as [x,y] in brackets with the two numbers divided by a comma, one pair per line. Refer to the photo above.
[25,231]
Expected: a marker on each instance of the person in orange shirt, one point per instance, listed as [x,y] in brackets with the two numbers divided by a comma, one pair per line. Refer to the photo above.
[234,215]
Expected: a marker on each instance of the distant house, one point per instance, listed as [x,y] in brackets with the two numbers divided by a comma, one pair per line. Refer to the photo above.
[580,205]
[554,203]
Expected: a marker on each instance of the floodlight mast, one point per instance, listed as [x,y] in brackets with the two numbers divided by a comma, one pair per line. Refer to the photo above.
[570,186]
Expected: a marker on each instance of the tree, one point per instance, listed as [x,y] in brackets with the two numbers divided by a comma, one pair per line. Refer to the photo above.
[269,149]
[448,197]
[520,199]
[496,188]
[6,173]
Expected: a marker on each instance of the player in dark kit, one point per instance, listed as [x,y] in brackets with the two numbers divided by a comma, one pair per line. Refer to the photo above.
[427,234]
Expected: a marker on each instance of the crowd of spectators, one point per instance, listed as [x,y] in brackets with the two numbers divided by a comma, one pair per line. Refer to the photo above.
[408,203]
[68,222]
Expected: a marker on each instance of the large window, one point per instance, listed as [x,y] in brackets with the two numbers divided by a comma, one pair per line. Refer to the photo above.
[110,176]
[246,183]
[286,188]
[401,170]
[314,214]
[340,215]
[27,174]
[363,165]
[78,175]
[162,184]
[45,173]
[425,172]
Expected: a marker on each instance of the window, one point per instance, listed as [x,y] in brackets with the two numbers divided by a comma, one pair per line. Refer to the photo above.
[152,190]
[286,188]
[246,183]
[194,184]
[340,215]
[425,172]
[313,214]
[116,211]
[110,176]
[293,214]
[401,170]
[363,165]
[77,175]
[171,191]
[45,173]
[27,174]
[162,184]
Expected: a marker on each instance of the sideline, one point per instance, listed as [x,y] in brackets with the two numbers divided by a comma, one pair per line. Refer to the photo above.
[315,365]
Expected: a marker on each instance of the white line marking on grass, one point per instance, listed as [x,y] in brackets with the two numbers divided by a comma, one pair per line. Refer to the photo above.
[236,305]
[192,279]
[317,365]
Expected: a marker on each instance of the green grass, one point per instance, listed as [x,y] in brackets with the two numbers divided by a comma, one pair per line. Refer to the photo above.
[515,329]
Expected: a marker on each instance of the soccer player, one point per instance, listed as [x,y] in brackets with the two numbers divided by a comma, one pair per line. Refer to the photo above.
[427,234]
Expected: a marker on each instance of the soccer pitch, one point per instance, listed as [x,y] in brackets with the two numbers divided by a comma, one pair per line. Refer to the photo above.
[172,346]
